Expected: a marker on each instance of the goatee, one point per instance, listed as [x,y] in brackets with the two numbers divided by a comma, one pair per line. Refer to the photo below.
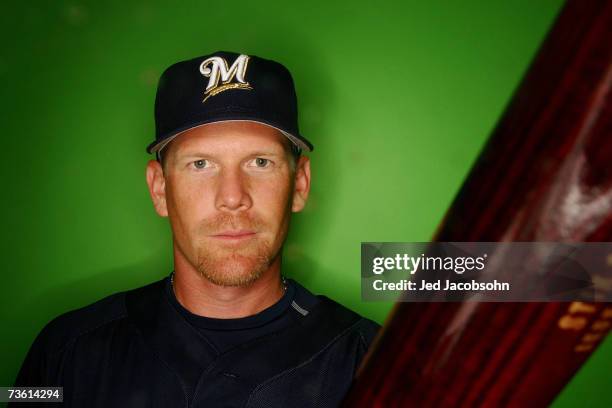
[231,264]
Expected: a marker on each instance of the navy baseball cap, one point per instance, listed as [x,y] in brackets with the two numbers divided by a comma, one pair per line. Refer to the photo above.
[225,86]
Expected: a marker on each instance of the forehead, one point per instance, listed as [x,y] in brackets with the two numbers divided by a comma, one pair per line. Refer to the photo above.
[229,137]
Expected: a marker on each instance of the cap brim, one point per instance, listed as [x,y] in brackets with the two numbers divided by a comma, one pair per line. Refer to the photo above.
[297,140]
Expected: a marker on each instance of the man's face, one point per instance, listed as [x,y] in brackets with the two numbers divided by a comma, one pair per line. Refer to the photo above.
[229,189]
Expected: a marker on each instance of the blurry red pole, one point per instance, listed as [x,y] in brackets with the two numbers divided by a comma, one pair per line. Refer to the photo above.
[544,175]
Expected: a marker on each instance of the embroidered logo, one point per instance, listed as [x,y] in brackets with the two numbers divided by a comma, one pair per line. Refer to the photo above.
[215,68]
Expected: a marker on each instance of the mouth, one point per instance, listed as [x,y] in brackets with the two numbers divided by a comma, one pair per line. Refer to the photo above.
[234,236]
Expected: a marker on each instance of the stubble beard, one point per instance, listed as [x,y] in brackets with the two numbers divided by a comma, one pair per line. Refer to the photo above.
[235,267]
[231,265]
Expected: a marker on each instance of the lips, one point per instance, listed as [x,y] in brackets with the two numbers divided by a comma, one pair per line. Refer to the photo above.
[234,235]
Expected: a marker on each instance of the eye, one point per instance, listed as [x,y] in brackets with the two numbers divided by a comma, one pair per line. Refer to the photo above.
[261,162]
[200,164]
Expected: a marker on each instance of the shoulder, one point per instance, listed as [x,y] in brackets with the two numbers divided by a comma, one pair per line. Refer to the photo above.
[363,327]
[69,326]
[43,363]
[366,329]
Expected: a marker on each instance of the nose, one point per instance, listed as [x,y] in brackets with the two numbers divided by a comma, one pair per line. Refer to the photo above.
[232,191]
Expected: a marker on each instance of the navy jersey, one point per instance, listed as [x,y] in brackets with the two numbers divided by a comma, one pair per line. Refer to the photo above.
[141,348]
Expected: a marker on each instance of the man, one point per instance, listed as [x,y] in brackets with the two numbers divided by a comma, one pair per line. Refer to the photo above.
[225,329]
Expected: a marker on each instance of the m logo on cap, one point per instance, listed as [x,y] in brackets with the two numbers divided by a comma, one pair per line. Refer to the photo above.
[216,68]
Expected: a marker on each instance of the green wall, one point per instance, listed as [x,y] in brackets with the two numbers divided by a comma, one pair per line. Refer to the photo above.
[397,98]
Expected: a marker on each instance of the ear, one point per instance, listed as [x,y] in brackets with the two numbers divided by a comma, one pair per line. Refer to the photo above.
[302,184]
[157,187]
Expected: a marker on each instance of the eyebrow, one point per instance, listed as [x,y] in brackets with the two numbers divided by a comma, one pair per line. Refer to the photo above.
[194,153]
[266,153]
[190,155]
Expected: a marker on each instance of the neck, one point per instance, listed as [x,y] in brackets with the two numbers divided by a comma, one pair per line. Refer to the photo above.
[204,298]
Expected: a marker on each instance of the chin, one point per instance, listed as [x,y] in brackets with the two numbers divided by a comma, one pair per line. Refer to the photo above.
[234,269]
